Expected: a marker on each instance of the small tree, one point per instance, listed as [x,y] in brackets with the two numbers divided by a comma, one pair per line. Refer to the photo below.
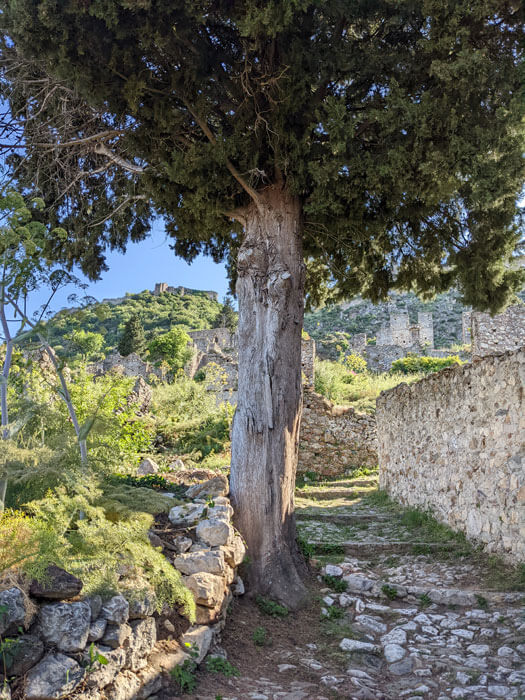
[227,317]
[25,267]
[132,339]
[171,347]
[86,343]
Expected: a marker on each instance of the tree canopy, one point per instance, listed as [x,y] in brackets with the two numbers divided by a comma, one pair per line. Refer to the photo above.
[172,347]
[398,124]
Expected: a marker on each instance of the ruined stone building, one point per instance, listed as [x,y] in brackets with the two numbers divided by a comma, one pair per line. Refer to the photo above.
[396,339]
[491,335]
[163,287]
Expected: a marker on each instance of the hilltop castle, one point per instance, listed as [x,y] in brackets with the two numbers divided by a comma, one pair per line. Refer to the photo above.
[162,287]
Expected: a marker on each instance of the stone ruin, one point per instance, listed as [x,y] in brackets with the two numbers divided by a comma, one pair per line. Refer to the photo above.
[396,339]
[163,287]
[401,333]
[491,335]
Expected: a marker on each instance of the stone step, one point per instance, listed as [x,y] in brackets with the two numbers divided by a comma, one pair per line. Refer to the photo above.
[345,483]
[327,494]
[365,548]
[463,597]
[343,518]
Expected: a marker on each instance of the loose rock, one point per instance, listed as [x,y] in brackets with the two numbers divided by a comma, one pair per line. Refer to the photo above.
[57,585]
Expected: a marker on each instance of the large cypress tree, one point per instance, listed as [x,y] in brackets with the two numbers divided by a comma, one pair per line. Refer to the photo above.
[378,140]
[132,338]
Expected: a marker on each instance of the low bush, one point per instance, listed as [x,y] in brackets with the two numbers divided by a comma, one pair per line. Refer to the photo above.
[357,389]
[414,364]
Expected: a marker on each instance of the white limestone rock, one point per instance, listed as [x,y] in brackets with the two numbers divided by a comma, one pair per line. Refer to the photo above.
[353,645]
[147,466]
[12,603]
[66,625]
[210,562]
[201,636]
[394,652]
[116,610]
[212,488]
[142,640]
[187,514]
[207,589]
[53,678]
[215,532]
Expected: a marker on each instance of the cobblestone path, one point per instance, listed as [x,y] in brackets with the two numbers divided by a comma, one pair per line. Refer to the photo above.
[404,609]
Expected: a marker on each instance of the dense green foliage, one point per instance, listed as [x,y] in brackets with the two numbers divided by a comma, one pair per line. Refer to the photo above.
[360,390]
[50,488]
[412,364]
[90,546]
[158,314]
[398,125]
[172,348]
[188,420]
[86,343]
[132,338]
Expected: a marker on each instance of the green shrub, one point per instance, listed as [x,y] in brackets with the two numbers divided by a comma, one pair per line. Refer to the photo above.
[359,390]
[218,664]
[337,584]
[354,363]
[71,530]
[270,607]
[414,364]
[260,637]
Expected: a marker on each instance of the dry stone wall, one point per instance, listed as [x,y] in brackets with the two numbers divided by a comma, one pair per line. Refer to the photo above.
[56,633]
[455,443]
[334,438]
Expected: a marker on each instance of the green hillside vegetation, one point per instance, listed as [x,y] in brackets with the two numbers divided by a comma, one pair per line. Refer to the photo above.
[332,326]
[158,314]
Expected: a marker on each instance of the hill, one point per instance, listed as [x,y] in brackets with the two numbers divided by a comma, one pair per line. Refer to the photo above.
[158,313]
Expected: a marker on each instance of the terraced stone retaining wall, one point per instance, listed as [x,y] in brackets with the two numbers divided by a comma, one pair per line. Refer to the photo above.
[55,634]
[454,443]
[334,438]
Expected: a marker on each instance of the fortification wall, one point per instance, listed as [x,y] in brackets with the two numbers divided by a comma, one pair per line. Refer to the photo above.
[213,339]
[334,438]
[455,443]
[495,334]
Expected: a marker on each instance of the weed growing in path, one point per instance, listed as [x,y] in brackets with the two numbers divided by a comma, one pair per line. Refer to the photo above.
[260,637]
[218,664]
[336,584]
[270,607]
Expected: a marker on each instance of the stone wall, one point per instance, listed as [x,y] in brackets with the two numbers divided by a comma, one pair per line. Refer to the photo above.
[212,339]
[379,358]
[56,633]
[454,443]
[130,366]
[495,334]
[308,360]
[334,438]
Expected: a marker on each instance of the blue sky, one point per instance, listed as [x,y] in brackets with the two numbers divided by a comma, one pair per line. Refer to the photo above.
[140,267]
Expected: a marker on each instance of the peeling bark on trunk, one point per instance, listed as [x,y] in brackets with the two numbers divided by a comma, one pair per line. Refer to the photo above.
[270,291]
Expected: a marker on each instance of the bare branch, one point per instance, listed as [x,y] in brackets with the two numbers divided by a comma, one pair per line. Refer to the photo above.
[102,149]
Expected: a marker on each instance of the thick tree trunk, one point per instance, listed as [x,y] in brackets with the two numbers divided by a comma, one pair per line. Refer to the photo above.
[270,291]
